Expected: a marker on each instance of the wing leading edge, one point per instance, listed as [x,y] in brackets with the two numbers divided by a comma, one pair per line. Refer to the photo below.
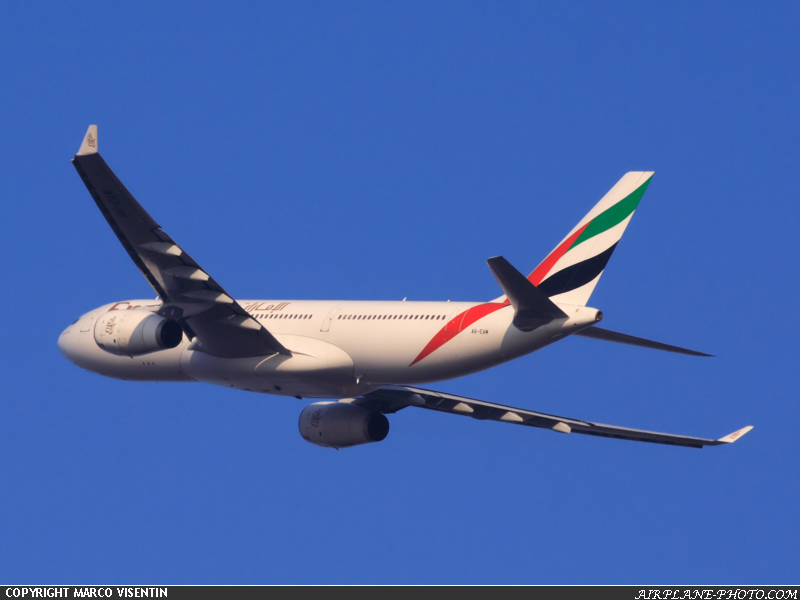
[205,311]
[393,398]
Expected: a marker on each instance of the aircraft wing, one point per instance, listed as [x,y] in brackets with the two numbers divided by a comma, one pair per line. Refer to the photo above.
[206,312]
[393,398]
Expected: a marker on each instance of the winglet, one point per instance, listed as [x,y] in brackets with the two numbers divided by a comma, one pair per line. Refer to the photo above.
[732,437]
[89,145]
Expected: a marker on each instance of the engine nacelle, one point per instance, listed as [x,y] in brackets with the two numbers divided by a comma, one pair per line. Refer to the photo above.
[341,424]
[136,332]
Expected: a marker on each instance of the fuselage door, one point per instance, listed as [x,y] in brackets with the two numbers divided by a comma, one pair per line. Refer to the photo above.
[326,324]
[454,322]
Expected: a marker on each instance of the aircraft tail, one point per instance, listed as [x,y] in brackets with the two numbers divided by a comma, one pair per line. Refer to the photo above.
[571,271]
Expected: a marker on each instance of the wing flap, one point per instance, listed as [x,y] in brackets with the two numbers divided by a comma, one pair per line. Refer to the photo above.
[396,397]
[189,294]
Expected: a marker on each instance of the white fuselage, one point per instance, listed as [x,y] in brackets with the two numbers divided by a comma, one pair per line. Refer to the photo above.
[338,349]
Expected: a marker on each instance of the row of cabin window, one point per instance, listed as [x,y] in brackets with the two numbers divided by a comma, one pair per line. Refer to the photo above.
[344,317]
[434,317]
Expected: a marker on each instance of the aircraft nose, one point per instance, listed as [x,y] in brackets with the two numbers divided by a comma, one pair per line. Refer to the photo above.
[67,342]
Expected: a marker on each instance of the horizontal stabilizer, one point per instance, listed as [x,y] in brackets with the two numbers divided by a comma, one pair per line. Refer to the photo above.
[532,307]
[622,338]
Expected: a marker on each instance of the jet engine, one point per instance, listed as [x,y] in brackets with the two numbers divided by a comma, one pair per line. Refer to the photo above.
[136,332]
[341,424]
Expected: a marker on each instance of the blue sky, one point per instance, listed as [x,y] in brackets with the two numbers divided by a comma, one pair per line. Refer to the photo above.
[380,151]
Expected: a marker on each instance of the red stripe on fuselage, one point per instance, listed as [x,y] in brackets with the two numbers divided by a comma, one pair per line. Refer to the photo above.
[456,325]
[463,320]
[544,268]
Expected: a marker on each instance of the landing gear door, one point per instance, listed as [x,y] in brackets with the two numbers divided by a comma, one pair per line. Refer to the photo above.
[326,324]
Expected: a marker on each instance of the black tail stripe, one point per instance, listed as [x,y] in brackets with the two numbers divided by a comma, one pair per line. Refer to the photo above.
[577,275]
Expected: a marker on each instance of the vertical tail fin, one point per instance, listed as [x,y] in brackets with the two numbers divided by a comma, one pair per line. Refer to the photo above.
[571,271]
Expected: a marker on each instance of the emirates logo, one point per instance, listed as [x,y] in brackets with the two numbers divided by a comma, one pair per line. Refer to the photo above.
[110,325]
[90,141]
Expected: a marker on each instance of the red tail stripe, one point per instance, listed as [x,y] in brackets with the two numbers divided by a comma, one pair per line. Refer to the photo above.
[544,268]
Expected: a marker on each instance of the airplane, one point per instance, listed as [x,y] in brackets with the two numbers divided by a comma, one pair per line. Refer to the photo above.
[364,359]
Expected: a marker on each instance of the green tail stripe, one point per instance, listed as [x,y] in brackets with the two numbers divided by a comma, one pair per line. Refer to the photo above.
[613,216]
